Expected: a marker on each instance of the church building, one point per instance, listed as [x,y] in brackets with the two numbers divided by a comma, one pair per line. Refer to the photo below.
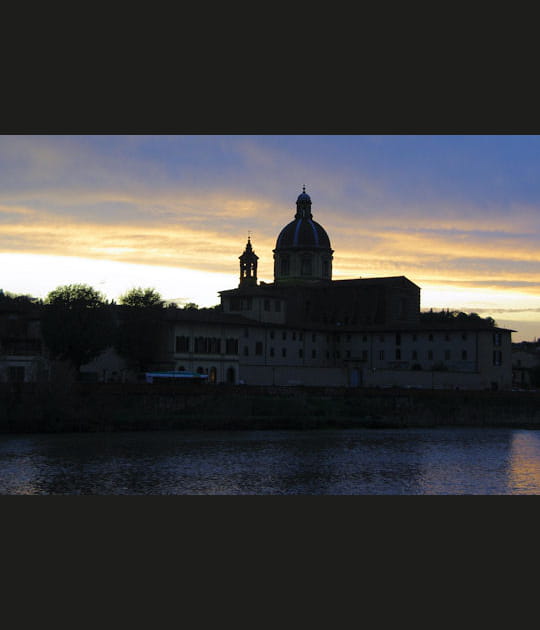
[305,328]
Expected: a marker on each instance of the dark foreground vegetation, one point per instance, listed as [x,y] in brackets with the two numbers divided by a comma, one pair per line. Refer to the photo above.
[87,407]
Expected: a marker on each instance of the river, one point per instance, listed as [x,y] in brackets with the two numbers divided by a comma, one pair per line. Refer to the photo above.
[321,462]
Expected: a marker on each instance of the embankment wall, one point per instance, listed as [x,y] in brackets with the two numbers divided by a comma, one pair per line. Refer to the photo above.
[49,407]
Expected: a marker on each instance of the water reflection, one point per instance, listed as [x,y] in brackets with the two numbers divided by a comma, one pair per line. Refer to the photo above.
[408,461]
[524,468]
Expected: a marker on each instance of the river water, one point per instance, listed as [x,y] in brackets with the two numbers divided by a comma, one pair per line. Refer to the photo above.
[334,462]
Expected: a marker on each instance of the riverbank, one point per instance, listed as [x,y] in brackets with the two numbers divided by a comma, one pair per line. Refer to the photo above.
[89,407]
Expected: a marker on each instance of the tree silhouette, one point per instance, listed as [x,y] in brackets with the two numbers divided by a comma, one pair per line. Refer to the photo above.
[446,315]
[141,298]
[77,324]
[140,327]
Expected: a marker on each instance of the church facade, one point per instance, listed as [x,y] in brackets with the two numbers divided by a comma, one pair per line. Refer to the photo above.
[306,329]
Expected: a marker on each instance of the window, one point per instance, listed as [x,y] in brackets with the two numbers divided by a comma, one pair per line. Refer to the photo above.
[414,355]
[231,346]
[300,353]
[200,345]
[214,345]
[258,348]
[313,337]
[284,266]
[497,357]
[305,266]
[414,337]
[447,355]
[267,305]
[447,337]
[284,335]
[294,335]
[381,338]
[381,355]
[497,339]
[313,354]
[300,336]
[246,332]
[464,355]
[398,354]
[364,338]
[271,352]
[364,355]
[430,337]
[271,334]
[348,354]
[283,352]
[398,339]
[182,344]
[430,355]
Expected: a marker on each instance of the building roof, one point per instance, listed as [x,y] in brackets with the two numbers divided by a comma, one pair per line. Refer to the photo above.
[303,233]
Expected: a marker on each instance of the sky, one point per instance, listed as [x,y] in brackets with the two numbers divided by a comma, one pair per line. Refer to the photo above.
[458,215]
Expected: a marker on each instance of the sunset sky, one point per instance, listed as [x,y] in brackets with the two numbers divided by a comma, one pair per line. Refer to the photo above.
[459,215]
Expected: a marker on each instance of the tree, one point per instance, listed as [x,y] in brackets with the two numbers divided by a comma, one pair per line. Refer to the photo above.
[448,315]
[77,324]
[141,298]
[140,328]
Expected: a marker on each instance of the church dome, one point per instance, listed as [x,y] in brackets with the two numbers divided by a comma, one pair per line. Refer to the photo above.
[303,232]
[303,252]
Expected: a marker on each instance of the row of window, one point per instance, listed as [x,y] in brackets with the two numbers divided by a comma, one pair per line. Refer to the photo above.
[246,304]
[306,266]
[348,337]
[272,352]
[205,345]
[414,355]
[213,345]
[364,357]
[294,335]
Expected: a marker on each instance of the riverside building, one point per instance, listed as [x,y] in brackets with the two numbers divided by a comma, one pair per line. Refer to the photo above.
[301,329]
[306,329]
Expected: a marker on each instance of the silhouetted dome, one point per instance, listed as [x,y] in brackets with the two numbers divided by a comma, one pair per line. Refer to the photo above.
[303,233]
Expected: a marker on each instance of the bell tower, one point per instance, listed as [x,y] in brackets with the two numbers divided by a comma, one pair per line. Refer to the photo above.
[248,266]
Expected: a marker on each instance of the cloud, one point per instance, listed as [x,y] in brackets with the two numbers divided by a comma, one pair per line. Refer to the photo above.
[190,201]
